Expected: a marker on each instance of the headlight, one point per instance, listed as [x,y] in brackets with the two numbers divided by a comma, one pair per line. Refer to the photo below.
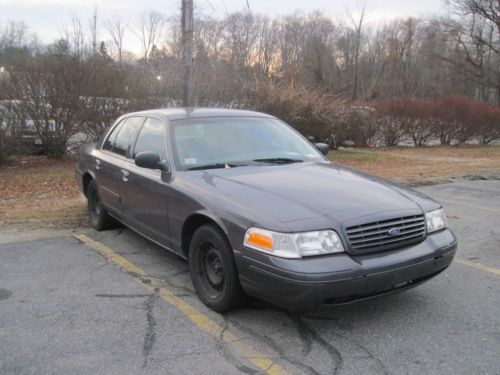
[294,245]
[436,220]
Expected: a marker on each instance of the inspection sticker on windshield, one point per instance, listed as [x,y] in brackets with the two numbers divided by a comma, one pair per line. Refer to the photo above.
[190,161]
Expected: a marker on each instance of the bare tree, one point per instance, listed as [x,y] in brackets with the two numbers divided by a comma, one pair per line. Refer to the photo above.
[419,70]
[74,34]
[116,29]
[478,40]
[149,29]
[13,34]
[357,25]
[93,28]
[49,91]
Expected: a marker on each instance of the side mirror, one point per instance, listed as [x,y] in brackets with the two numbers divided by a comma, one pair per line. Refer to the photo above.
[150,160]
[322,147]
[311,138]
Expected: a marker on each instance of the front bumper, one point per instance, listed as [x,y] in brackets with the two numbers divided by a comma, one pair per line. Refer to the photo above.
[304,284]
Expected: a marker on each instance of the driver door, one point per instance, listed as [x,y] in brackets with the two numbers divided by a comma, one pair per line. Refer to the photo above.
[144,193]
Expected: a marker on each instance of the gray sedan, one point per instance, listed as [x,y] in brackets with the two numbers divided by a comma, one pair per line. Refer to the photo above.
[258,210]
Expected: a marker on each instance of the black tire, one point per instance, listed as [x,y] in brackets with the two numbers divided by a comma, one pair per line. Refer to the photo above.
[213,270]
[98,217]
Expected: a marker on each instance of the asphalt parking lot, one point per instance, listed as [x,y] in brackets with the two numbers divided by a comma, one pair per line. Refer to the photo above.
[114,303]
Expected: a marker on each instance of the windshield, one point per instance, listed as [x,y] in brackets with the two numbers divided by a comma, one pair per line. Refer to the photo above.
[222,142]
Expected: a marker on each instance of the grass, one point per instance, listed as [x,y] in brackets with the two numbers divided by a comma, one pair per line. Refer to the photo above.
[355,155]
[40,193]
[422,165]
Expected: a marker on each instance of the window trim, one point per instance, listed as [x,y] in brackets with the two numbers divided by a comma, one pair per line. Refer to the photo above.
[109,133]
[132,149]
[118,122]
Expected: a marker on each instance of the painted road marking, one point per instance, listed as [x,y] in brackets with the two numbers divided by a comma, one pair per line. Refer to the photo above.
[258,359]
[479,266]
[472,206]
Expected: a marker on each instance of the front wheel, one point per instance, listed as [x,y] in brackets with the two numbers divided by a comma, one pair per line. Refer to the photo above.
[98,217]
[213,270]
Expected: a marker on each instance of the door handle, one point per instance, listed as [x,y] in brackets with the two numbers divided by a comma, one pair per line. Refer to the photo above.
[125,175]
[97,164]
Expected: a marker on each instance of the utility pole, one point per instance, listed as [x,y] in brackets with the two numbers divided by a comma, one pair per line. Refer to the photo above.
[187,47]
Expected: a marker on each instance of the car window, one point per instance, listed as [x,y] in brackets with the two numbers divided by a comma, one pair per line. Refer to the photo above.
[126,135]
[109,142]
[151,138]
[237,140]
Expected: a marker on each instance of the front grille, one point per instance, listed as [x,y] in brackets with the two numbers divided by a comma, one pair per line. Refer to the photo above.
[375,237]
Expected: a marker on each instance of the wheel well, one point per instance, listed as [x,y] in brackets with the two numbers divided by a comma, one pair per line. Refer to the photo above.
[190,225]
[86,180]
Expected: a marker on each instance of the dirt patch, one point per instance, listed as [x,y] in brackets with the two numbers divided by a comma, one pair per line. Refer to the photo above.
[423,165]
[39,193]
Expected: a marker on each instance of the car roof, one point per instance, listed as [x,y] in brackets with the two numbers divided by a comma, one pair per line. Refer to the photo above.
[184,113]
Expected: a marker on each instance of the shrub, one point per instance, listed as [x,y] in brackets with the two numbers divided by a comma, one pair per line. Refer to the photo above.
[50,89]
[310,111]
[486,125]
[404,117]
[12,123]
[452,118]
[360,127]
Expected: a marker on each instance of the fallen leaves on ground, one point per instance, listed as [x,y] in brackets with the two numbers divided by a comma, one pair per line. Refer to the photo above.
[36,192]
[421,165]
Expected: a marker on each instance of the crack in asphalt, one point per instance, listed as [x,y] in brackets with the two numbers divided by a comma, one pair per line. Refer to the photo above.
[223,350]
[181,272]
[122,295]
[150,336]
[309,335]
[271,343]
[304,333]
[185,289]
[146,279]
[131,253]
[92,271]
[370,355]
[224,329]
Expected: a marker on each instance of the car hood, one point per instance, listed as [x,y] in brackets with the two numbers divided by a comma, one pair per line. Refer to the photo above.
[297,192]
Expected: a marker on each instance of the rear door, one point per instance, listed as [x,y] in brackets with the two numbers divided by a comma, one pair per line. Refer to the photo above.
[144,195]
[109,160]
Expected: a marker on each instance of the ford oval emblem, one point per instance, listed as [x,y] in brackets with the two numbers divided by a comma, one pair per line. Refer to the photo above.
[394,232]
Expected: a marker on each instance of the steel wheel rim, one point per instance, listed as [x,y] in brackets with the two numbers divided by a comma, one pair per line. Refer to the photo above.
[211,270]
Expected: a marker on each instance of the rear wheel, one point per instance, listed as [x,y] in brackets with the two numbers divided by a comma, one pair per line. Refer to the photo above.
[213,270]
[98,217]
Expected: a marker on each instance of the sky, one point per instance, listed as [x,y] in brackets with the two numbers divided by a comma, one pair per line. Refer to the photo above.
[46,18]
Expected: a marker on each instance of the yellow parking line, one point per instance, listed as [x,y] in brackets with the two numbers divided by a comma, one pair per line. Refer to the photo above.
[479,266]
[258,359]
[471,205]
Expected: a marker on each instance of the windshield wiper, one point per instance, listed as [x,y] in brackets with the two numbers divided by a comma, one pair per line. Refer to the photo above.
[278,160]
[214,166]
